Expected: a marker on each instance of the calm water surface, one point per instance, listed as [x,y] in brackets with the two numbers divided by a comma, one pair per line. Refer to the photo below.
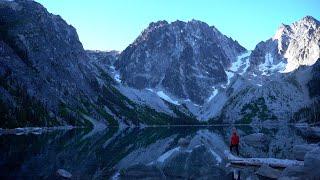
[100,155]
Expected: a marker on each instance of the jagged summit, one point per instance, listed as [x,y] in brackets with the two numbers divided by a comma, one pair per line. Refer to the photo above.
[309,19]
[294,45]
[185,59]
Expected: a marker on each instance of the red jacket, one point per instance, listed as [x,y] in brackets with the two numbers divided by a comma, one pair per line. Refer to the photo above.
[234,139]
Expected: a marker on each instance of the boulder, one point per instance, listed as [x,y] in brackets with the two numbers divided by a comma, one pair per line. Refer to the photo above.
[312,163]
[141,171]
[293,172]
[256,139]
[299,151]
[63,173]
[267,171]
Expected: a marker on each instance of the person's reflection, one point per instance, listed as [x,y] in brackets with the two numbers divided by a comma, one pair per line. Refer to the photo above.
[236,174]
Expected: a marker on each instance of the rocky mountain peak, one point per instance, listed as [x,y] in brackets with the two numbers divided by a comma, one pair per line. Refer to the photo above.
[309,20]
[296,44]
[185,59]
[283,28]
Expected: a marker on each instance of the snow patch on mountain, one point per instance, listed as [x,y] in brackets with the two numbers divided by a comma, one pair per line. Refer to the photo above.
[229,76]
[269,67]
[117,78]
[164,96]
[241,64]
[214,93]
[115,74]
[146,97]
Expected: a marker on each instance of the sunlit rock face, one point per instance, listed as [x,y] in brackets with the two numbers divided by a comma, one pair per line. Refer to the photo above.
[292,46]
[186,59]
[280,83]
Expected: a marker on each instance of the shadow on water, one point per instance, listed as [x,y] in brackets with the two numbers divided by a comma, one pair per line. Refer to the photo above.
[39,156]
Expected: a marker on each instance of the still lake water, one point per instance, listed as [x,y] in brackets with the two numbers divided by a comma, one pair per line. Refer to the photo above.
[101,154]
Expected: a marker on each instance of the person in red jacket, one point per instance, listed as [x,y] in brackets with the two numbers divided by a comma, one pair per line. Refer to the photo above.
[234,141]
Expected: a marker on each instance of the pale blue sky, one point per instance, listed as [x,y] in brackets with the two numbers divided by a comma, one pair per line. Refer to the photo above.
[114,24]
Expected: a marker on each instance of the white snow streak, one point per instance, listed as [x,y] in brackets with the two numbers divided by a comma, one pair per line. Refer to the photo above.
[229,76]
[214,93]
[162,95]
[117,78]
[268,67]
[242,60]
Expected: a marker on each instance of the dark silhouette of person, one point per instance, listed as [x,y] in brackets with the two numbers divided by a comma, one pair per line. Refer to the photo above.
[234,143]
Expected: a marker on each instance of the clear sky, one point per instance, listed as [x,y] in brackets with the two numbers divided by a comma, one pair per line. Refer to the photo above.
[114,24]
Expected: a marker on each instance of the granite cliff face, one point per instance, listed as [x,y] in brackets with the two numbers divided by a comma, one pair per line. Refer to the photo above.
[48,79]
[185,59]
[292,46]
[41,59]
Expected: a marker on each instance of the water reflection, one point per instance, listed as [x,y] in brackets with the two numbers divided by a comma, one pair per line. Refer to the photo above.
[103,154]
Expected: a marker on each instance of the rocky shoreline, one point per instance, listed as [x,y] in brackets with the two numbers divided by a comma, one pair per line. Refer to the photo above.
[202,162]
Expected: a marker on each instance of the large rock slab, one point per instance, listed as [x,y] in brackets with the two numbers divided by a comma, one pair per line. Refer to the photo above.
[267,171]
[292,172]
[299,151]
[312,163]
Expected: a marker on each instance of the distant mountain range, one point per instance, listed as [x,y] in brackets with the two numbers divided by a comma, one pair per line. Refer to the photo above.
[173,73]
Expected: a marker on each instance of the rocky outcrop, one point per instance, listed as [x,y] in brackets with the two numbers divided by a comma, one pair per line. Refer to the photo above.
[43,65]
[310,169]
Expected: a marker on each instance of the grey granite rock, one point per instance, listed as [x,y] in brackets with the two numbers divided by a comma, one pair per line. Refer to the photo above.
[300,151]
[266,171]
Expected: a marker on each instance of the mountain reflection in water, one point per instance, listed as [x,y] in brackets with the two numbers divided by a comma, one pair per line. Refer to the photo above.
[106,153]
